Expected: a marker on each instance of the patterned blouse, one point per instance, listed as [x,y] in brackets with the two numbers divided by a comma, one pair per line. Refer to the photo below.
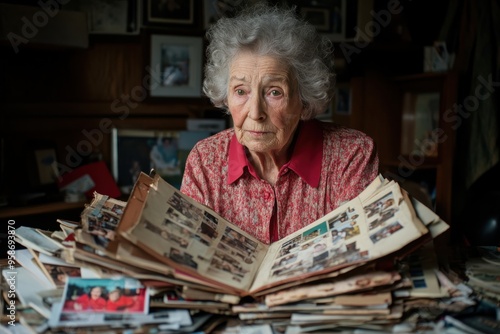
[330,165]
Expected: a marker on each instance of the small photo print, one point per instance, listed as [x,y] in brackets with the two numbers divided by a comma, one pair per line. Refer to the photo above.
[59,274]
[122,295]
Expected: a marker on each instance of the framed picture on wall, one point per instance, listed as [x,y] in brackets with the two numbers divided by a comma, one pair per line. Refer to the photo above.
[175,66]
[328,16]
[110,17]
[161,12]
[319,17]
[420,118]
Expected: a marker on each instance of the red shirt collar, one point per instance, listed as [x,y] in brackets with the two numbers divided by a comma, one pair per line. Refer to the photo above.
[306,158]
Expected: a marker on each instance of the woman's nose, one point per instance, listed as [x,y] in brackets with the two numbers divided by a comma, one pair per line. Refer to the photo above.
[257,110]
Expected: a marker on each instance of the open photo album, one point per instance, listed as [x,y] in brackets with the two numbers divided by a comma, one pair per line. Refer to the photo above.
[203,247]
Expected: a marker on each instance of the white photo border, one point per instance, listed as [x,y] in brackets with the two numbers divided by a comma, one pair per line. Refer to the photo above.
[194,46]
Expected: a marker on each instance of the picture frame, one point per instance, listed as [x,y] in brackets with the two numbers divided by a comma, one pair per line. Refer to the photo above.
[158,13]
[139,150]
[110,17]
[176,66]
[318,17]
[41,157]
[328,16]
[134,151]
[420,118]
[45,160]
[213,10]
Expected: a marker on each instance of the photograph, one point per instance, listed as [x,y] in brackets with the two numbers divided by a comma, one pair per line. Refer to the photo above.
[136,151]
[100,220]
[59,274]
[121,295]
[45,160]
[186,208]
[110,16]
[315,231]
[420,119]
[158,12]
[318,17]
[328,16]
[176,66]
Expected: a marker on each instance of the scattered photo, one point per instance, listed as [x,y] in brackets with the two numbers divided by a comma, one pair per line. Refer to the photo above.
[105,296]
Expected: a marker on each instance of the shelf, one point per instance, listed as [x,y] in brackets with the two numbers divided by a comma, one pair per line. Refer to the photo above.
[180,108]
[13,212]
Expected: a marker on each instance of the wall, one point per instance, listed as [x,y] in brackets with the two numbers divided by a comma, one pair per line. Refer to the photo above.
[69,98]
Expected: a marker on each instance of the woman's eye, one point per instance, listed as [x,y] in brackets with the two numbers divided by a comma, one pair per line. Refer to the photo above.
[240,92]
[275,92]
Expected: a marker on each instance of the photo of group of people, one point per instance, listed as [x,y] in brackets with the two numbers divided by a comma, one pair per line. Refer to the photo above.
[380,217]
[167,232]
[324,245]
[174,216]
[344,238]
[224,262]
[208,228]
[238,241]
[235,254]
[185,235]
[105,296]
[181,257]
[187,209]
[345,224]
[178,236]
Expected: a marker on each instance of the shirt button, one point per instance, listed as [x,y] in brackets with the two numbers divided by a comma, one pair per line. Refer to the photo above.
[267,196]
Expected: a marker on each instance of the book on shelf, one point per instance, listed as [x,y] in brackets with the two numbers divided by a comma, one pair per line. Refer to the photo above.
[204,248]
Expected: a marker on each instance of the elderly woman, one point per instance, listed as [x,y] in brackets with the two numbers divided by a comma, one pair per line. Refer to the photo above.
[278,169]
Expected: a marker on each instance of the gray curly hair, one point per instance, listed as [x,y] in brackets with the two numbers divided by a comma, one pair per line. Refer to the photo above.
[278,32]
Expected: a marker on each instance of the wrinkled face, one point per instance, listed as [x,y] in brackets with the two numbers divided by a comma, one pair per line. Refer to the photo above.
[264,103]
